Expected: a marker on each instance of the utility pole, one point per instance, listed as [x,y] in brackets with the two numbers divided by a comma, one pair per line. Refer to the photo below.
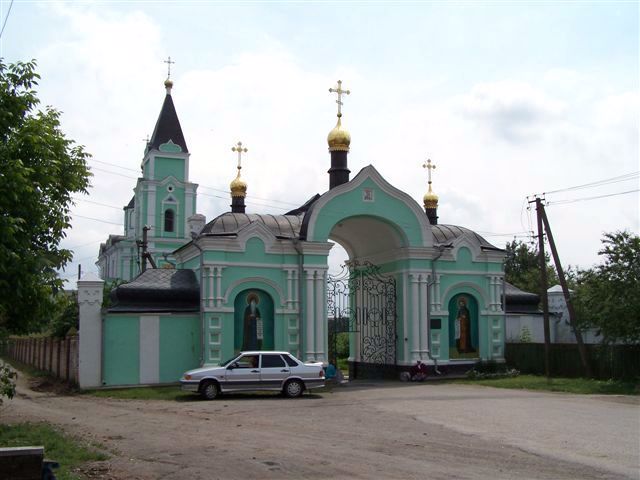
[544,285]
[567,298]
[145,253]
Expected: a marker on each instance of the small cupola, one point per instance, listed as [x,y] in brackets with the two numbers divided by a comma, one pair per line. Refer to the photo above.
[238,186]
[430,199]
[339,141]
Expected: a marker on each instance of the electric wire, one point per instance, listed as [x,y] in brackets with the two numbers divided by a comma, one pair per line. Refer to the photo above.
[6,18]
[583,199]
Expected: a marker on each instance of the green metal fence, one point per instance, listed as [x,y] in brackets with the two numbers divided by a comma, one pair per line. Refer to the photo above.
[606,361]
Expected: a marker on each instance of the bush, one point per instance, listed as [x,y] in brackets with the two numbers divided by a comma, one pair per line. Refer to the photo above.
[491,369]
[7,382]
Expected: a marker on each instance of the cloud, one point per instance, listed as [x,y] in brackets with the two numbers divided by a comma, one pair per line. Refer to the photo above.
[512,111]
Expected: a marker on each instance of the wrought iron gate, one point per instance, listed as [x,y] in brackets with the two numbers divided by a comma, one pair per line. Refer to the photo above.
[362,301]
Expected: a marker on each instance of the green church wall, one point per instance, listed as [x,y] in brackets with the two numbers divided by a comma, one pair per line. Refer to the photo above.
[180,346]
[169,167]
[121,350]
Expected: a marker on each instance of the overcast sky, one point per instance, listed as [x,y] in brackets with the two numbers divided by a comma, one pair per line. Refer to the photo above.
[507,98]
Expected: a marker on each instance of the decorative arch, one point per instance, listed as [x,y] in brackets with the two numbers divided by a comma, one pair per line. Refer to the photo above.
[466,287]
[269,286]
[368,195]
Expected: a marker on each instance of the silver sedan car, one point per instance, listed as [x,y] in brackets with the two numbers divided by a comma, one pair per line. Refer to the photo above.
[258,370]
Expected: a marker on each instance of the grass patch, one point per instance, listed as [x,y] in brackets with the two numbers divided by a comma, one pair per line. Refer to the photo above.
[568,385]
[68,452]
[167,392]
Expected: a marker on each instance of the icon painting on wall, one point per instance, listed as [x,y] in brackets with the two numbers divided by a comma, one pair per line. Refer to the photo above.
[463,327]
[253,325]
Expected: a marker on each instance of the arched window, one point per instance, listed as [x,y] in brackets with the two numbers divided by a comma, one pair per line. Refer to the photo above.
[168,220]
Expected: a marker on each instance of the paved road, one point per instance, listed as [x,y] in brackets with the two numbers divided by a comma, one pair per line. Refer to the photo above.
[401,431]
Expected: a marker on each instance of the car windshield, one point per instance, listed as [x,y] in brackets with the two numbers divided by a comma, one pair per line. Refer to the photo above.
[227,362]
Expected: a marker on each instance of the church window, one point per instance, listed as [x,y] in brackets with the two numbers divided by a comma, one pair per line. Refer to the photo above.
[168,220]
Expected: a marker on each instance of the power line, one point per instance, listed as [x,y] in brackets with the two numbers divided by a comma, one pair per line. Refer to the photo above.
[565,202]
[226,192]
[607,181]
[97,219]
[6,18]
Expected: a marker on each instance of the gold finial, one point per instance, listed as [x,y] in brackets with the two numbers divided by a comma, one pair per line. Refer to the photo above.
[238,186]
[168,83]
[339,139]
[340,92]
[430,199]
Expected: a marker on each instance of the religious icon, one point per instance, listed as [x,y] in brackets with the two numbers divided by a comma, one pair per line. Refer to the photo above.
[253,328]
[463,328]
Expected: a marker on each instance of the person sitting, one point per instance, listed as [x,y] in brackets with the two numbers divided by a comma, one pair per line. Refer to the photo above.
[418,372]
[330,373]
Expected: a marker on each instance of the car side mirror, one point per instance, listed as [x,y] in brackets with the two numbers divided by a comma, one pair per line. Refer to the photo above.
[232,366]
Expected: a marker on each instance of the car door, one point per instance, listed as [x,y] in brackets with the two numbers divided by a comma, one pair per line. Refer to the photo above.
[243,374]
[273,370]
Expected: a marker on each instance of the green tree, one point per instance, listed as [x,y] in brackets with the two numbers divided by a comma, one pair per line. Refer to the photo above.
[522,267]
[39,171]
[607,297]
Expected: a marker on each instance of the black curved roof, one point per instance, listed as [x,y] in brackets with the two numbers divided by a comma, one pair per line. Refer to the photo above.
[445,234]
[519,301]
[227,224]
[158,290]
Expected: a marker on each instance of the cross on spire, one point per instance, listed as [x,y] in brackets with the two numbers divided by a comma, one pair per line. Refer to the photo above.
[240,149]
[339,91]
[429,166]
[169,62]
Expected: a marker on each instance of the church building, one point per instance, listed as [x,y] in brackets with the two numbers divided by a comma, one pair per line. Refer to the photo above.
[198,292]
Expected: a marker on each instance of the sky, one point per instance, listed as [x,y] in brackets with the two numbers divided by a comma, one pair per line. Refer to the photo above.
[508,99]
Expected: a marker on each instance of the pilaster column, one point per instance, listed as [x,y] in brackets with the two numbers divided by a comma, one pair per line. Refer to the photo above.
[90,289]
[320,314]
[415,321]
[309,313]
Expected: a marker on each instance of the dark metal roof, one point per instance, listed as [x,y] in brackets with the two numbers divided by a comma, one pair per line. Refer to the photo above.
[445,234]
[167,127]
[282,226]
[519,301]
[158,290]
[132,203]
[305,206]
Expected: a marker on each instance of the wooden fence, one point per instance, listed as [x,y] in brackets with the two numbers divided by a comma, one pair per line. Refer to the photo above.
[606,361]
[58,356]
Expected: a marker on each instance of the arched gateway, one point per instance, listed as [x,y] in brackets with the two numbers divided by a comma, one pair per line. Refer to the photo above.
[413,289]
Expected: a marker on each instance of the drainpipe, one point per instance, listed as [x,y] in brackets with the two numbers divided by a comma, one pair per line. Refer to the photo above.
[202,322]
[296,245]
[430,284]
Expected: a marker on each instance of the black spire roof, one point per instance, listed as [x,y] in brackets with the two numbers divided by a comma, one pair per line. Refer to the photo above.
[167,127]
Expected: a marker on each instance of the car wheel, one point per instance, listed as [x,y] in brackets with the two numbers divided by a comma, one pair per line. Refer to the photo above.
[293,388]
[209,390]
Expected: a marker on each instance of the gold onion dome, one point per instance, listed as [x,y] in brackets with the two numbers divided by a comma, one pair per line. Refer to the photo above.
[430,199]
[339,138]
[238,187]
[168,84]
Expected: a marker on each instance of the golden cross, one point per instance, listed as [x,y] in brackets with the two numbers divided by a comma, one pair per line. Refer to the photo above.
[168,62]
[339,91]
[429,166]
[240,149]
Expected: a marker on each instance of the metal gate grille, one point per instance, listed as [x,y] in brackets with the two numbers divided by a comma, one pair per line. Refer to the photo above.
[362,301]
